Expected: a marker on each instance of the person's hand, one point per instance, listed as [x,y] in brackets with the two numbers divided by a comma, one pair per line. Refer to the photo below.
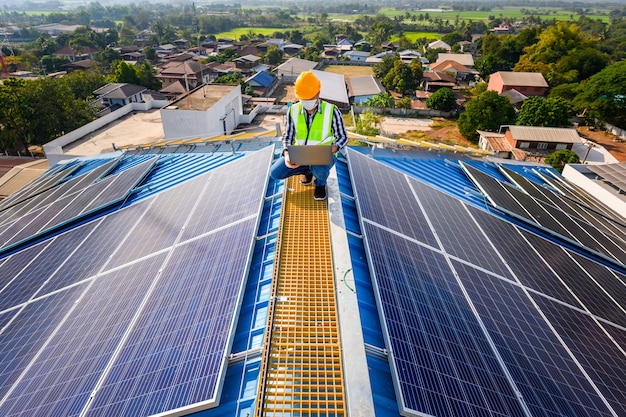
[288,162]
[335,148]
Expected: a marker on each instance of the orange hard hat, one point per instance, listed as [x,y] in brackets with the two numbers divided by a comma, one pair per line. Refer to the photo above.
[307,86]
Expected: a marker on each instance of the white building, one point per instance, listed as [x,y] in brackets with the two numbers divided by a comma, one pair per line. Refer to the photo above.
[210,110]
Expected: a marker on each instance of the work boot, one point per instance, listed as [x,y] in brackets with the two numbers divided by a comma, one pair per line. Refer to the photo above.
[308,179]
[320,192]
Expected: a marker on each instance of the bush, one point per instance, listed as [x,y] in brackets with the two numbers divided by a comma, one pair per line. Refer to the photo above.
[558,159]
[442,99]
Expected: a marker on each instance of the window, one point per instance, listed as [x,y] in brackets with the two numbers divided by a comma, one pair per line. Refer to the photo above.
[524,145]
[542,145]
[561,146]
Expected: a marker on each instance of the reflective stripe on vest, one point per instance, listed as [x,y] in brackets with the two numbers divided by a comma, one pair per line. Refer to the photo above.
[320,132]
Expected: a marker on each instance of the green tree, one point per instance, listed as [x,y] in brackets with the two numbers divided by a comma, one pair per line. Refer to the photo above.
[549,112]
[124,73]
[559,158]
[274,56]
[603,96]
[27,119]
[381,100]
[383,67]
[487,112]
[442,99]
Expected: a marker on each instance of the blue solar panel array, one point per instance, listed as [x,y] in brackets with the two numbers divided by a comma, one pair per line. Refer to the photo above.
[112,318]
[482,317]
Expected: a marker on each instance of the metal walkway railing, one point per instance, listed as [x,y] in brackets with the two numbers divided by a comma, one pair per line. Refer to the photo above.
[302,370]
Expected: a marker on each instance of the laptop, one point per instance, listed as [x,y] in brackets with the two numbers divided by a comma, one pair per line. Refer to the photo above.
[310,154]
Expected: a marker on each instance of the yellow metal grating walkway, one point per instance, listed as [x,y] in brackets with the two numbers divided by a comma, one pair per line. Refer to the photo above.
[302,356]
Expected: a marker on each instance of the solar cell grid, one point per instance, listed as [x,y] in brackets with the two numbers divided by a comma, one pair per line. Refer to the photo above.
[459,235]
[549,380]
[26,335]
[429,340]
[496,193]
[162,219]
[38,264]
[44,182]
[533,265]
[598,355]
[377,187]
[120,186]
[76,355]
[13,267]
[442,360]
[576,211]
[191,301]
[238,185]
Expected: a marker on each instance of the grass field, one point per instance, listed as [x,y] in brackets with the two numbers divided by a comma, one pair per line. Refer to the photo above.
[413,36]
[236,33]
[510,12]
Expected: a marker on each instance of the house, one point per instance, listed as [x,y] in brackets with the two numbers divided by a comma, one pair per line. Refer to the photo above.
[293,67]
[81,65]
[357,56]
[374,59]
[407,56]
[463,59]
[247,62]
[469,47]
[541,140]
[439,44]
[116,95]
[526,83]
[363,88]
[496,143]
[458,71]
[502,29]
[390,46]
[291,49]
[190,72]
[434,80]
[215,70]
[80,54]
[330,52]
[344,45]
[166,50]
[515,97]
[262,83]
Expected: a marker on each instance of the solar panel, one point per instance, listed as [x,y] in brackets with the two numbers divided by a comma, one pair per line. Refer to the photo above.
[34,266]
[70,207]
[157,369]
[465,332]
[569,207]
[547,216]
[71,360]
[43,183]
[615,174]
[53,194]
[75,332]
[377,187]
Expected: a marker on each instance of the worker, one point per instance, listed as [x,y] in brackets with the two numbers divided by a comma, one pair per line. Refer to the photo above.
[310,121]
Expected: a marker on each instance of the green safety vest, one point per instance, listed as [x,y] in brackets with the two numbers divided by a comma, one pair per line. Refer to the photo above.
[321,132]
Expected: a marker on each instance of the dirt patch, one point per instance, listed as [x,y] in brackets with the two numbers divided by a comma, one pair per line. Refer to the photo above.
[349,70]
[440,131]
[612,143]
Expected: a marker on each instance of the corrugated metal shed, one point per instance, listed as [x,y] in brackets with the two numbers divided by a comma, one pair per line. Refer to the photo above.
[543,134]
